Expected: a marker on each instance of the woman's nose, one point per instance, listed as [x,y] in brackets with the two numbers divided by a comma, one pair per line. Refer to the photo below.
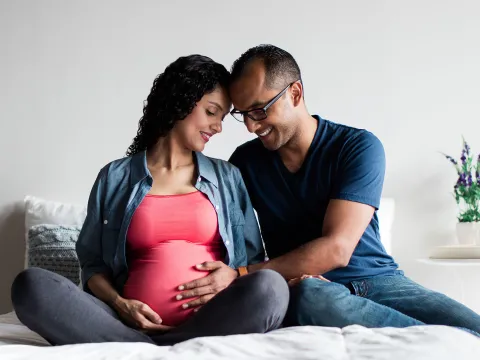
[217,126]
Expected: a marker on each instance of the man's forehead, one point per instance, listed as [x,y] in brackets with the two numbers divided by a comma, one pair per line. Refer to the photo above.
[253,75]
[249,87]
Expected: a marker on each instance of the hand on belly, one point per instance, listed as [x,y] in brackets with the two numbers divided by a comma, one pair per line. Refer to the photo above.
[200,291]
[154,280]
[139,315]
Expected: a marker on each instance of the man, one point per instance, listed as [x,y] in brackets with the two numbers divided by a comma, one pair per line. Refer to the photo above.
[316,186]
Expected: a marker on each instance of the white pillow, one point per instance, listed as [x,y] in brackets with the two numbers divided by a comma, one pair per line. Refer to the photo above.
[39,211]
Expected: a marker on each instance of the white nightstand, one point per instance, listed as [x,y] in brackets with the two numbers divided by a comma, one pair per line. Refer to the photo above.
[451,262]
[456,265]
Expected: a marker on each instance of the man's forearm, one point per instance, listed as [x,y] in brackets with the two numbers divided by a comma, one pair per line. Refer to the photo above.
[313,258]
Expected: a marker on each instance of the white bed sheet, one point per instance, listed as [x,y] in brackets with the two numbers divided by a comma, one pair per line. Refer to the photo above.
[308,342]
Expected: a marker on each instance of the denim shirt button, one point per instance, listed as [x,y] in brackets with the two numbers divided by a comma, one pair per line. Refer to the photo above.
[105,222]
[216,207]
[227,242]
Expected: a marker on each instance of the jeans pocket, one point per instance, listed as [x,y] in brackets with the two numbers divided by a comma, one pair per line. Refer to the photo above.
[361,287]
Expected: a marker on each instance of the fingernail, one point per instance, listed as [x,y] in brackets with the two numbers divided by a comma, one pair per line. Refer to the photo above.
[199,265]
[181,287]
[185,306]
[179,297]
[196,310]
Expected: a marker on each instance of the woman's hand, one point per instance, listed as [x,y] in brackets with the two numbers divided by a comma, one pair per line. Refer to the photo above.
[139,315]
[204,289]
[295,281]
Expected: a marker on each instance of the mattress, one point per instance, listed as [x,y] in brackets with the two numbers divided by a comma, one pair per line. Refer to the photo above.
[306,342]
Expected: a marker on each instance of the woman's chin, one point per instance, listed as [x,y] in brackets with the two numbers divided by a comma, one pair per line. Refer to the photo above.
[199,147]
[195,146]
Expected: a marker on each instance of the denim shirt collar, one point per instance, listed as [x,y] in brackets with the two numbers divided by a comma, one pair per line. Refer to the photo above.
[139,168]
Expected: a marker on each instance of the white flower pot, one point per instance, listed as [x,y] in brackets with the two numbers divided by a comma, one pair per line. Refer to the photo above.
[468,233]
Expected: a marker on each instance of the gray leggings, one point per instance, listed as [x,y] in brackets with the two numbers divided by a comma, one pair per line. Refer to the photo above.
[62,313]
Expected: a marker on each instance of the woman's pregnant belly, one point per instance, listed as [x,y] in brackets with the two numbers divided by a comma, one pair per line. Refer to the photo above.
[156,273]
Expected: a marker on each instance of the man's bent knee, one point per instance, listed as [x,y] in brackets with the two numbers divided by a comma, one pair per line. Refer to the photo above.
[316,302]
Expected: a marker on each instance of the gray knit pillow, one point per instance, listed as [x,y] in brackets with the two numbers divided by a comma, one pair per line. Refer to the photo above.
[52,247]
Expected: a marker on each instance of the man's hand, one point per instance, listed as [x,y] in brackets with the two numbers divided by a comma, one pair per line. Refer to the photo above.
[296,281]
[207,287]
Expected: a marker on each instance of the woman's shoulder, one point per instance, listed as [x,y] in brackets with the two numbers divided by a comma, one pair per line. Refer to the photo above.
[221,163]
[220,172]
[117,169]
[221,167]
[120,164]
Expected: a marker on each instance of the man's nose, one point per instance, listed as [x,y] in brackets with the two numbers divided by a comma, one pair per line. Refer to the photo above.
[251,125]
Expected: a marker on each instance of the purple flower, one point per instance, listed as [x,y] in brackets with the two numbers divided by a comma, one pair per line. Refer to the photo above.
[463,157]
[462,180]
[452,160]
[469,180]
[467,148]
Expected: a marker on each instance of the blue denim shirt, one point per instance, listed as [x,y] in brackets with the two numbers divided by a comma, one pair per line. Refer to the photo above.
[121,186]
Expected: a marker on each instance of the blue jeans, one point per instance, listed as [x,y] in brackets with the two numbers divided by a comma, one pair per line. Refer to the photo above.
[382,301]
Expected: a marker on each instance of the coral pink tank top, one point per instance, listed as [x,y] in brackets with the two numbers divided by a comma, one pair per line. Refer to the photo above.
[167,237]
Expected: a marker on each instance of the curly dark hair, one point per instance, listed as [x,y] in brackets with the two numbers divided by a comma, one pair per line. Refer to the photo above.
[173,96]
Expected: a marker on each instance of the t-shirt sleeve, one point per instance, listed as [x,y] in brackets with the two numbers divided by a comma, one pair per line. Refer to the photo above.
[361,170]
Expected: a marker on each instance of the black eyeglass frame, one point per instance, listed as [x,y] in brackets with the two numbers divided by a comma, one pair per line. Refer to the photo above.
[262,109]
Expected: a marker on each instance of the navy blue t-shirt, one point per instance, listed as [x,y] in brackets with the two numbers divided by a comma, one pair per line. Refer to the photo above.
[342,163]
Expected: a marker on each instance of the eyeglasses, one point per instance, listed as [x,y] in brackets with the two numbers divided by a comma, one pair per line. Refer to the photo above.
[258,114]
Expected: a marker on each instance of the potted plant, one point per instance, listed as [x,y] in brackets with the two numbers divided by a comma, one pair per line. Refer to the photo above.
[467,196]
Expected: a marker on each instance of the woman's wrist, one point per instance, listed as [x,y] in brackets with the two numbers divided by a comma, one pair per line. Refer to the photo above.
[117,302]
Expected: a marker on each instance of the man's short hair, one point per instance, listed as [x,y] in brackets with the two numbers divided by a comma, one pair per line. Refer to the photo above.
[281,68]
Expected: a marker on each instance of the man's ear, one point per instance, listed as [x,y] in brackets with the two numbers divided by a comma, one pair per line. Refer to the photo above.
[296,93]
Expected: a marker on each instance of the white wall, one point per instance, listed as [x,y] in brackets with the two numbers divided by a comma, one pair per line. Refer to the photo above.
[74,75]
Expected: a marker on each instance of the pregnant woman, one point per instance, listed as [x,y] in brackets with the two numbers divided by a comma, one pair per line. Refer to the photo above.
[158,220]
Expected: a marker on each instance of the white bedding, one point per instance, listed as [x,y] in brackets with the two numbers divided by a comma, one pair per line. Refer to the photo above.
[350,343]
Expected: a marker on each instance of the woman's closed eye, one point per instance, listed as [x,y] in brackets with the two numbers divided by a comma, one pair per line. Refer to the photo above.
[215,112]
[211,112]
